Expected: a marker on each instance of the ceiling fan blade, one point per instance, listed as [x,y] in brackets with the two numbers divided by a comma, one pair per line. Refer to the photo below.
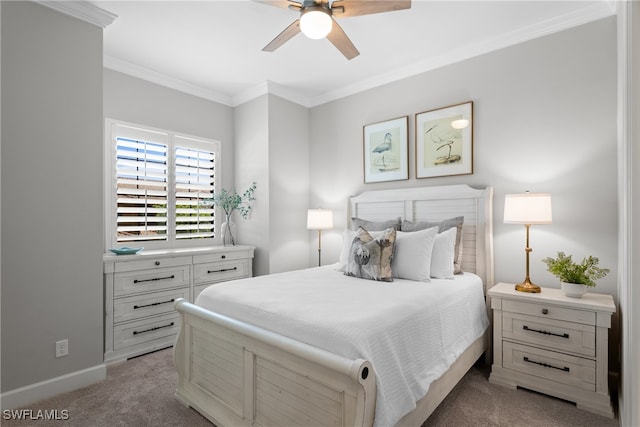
[339,38]
[347,8]
[283,37]
[280,3]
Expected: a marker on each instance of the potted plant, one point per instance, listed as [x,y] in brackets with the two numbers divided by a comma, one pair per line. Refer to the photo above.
[575,278]
[229,201]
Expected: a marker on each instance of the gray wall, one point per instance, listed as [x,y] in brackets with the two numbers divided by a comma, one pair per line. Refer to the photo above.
[544,120]
[138,101]
[288,185]
[251,122]
[272,148]
[51,194]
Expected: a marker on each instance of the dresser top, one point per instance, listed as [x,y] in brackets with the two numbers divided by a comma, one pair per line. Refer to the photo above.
[167,253]
[590,301]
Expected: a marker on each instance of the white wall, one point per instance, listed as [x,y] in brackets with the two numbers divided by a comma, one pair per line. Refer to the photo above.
[629,155]
[51,194]
[544,120]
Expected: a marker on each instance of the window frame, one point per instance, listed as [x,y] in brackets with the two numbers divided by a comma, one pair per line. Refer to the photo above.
[110,187]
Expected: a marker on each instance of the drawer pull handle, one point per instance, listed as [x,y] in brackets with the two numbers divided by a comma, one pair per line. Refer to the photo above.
[526,328]
[157,263]
[546,365]
[135,307]
[545,311]
[222,270]
[223,256]
[155,279]
[153,329]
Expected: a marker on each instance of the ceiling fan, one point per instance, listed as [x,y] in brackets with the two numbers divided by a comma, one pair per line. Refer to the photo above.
[317,19]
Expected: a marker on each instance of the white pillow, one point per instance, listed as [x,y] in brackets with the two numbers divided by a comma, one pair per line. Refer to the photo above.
[412,254]
[444,249]
[347,240]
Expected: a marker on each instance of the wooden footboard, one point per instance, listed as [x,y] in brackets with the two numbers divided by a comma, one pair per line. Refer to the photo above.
[236,374]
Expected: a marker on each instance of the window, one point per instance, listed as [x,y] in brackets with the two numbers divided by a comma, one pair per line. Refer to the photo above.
[158,187]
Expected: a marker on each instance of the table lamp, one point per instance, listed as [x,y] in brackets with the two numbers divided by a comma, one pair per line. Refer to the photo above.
[319,219]
[527,208]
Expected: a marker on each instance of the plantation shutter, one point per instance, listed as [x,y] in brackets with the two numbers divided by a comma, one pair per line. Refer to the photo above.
[194,188]
[141,185]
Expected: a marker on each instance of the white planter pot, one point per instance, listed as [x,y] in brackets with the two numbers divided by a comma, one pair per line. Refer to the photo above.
[574,290]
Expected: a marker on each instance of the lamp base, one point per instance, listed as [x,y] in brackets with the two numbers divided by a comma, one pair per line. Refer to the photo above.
[527,286]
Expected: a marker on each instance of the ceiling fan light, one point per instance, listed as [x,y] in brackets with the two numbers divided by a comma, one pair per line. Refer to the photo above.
[315,23]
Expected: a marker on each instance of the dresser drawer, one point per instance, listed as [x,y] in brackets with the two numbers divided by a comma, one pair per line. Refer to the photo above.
[150,263]
[218,271]
[133,282]
[148,329]
[134,307]
[562,368]
[558,335]
[550,311]
[227,255]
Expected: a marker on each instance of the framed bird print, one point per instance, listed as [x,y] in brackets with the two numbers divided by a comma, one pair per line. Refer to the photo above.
[386,150]
[444,141]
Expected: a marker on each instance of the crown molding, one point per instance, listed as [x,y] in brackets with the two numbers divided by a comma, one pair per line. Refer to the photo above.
[579,17]
[271,88]
[599,10]
[82,10]
[152,76]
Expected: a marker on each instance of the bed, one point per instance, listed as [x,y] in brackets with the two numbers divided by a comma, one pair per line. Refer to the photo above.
[289,371]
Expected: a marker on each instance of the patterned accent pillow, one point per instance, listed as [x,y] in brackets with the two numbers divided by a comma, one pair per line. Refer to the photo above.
[443,225]
[370,258]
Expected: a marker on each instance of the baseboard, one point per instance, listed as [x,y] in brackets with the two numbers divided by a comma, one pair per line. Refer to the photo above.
[32,393]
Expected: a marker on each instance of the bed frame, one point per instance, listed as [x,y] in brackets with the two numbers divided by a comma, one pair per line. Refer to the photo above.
[236,374]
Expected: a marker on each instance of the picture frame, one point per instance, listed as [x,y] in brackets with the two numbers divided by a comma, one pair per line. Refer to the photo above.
[444,141]
[386,150]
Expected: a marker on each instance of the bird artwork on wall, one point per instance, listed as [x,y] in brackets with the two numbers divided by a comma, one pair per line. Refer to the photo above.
[386,150]
[383,148]
[445,139]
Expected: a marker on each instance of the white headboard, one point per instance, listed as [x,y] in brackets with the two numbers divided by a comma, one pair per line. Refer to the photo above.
[436,204]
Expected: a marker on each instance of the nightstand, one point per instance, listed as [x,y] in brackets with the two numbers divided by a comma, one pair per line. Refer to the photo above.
[553,344]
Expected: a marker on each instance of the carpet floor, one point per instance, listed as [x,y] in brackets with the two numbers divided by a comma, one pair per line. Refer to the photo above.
[140,393]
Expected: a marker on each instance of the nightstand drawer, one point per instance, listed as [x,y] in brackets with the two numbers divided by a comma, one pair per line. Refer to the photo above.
[150,280]
[218,271]
[557,335]
[152,304]
[550,311]
[563,368]
[149,329]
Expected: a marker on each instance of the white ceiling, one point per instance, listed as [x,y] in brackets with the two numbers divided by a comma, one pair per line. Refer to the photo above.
[213,48]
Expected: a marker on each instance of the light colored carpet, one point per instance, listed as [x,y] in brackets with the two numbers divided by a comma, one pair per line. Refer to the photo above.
[140,393]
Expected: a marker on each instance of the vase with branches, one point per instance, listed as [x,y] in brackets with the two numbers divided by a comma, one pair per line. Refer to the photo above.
[230,201]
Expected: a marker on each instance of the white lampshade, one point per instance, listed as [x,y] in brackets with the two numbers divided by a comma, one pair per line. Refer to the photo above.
[315,22]
[319,219]
[527,208]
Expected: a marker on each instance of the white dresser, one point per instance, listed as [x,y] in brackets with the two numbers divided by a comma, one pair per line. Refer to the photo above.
[553,344]
[140,291]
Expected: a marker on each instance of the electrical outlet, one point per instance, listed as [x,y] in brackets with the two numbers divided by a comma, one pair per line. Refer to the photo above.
[62,348]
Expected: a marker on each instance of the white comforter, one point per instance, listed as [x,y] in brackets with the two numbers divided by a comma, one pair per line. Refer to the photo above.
[410,331]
